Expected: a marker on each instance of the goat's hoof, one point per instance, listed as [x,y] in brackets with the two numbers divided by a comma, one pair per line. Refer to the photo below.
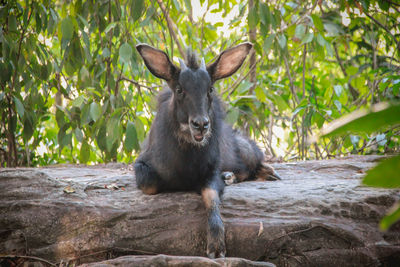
[211,255]
[267,173]
[274,177]
[229,178]
[216,254]
[216,246]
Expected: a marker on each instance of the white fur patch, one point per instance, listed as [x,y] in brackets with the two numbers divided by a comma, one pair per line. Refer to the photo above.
[185,136]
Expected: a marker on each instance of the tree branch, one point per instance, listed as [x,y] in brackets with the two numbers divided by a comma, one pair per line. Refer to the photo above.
[353,91]
[171,27]
[383,27]
[290,80]
[252,37]
[304,68]
[308,12]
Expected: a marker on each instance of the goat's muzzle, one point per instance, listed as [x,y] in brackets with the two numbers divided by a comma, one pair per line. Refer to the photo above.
[199,127]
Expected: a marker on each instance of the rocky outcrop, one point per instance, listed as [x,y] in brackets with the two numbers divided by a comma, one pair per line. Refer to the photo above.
[318,215]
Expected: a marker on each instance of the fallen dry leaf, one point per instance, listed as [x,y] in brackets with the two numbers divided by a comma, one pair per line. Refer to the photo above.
[112,186]
[69,189]
[261,229]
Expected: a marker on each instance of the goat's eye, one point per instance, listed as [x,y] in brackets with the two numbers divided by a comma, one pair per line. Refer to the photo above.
[179,90]
[211,89]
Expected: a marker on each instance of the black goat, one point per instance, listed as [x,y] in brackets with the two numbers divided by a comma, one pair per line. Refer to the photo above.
[189,146]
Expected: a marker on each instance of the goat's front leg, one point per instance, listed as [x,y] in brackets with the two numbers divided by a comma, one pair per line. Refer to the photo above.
[215,227]
[147,178]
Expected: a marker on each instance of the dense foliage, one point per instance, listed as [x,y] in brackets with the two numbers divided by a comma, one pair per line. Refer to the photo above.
[73,88]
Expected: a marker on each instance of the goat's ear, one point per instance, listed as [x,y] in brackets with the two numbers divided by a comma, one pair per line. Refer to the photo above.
[229,61]
[157,62]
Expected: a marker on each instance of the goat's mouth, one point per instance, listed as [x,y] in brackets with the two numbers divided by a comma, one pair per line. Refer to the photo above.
[198,137]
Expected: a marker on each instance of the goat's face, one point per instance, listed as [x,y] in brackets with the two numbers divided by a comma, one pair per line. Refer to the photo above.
[193,94]
[192,86]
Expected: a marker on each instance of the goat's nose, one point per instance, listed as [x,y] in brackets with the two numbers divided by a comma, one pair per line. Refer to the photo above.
[200,123]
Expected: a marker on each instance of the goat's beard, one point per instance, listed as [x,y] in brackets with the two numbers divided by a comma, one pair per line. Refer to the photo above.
[186,136]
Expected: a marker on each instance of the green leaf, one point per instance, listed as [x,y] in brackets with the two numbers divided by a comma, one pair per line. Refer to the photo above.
[137,8]
[66,139]
[77,102]
[67,28]
[19,106]
[381,115]
[84,154]
[260,94]
[265,14]
[268,43]
[391,218]
[252,18]
[28,129]
[177,6]
[300,31]
[106,53]
[60,117]
[280,102]
[78,134]
[385,174]
[338,89]
[95,111]
[318,23]
[321,40]
[110,27]
[131,139]
[112,132]
[232,116]
[12,23]
[101,137]
[244,87]
[125,53]
[307,38]
[282,40]
[140,129]
[338,105]
[5,71]
[352,70]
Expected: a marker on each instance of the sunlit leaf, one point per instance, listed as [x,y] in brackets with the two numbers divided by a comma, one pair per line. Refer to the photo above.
[391,218]
[338,89]
[317,22]
[300,31]
[380,115]
[385,174]
[282,40]
[307,38]
[110,27]
[268,42]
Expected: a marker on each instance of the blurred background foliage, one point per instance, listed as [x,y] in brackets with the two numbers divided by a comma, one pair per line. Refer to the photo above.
[74,90]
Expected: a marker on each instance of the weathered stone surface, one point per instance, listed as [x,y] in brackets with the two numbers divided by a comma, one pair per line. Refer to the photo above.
[164,260]
[318,215]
